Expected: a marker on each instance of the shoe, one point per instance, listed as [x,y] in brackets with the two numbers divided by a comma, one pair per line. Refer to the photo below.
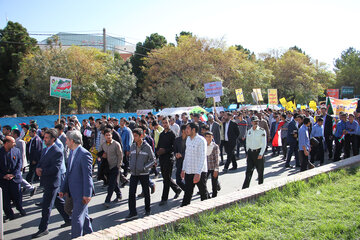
[225,170]
[152,189]
[218,187]
[177,194]
[40,234]
[233,169]
[66,224]
[131,217]
[221,163]
[33,191]
[311,166]
[288,166]
[141,195]
[162,203]
[147,213]
[117,199]
[107,205]
[298,166]
[39,204]
[124,183]
[22,212]
[12,217]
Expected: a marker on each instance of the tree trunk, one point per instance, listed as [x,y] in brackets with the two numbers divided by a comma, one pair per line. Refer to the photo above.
[79,108]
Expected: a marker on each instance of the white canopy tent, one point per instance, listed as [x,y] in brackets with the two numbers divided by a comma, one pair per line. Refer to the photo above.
[178,110]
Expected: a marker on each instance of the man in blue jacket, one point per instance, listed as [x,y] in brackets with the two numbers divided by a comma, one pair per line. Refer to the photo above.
[10,177]
[49,171]
[292,140]
[33,151]
[78,184]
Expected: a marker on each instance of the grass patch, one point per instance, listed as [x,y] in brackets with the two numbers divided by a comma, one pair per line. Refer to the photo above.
[325,207]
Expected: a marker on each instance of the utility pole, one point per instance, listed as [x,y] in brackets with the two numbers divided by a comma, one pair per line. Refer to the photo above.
[104,39]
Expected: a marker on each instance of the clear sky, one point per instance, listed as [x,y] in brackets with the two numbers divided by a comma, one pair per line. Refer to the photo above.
[322,28]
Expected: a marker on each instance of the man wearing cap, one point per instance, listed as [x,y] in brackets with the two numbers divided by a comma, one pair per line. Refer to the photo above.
[256,140]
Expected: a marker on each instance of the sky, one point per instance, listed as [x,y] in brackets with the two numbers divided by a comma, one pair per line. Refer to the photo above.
[323,29]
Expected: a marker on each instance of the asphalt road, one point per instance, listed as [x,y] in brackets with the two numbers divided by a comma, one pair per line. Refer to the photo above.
[24,227]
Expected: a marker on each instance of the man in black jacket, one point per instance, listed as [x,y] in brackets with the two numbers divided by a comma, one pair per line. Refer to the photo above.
[165,150]
[179,151]
[328,131]
[231,133]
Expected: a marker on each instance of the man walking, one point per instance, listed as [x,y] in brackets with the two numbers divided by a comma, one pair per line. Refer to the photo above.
[165,150]
[10,177]
[231,133]
[304,146]
[33,150]
[194,168]
[78,184]
[256,141]
[48,169]
[114,155]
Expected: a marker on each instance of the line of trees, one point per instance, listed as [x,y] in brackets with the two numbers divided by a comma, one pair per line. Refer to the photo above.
[159,74]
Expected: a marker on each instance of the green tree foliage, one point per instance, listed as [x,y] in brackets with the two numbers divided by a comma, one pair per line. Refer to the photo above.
[347,69]
[154,41]
[175,75]
[15,42]
[297,77]
[182,33]
[95,76]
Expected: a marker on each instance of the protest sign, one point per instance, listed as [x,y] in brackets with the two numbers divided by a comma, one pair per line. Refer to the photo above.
[272,96]
[239,95]
[213,89]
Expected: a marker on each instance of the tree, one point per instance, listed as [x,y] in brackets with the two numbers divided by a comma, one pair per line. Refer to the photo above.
[99,80]
[115,89]
[15,42]
[154,41]
[347,69]
[175,75]
[183,33]
[296,77]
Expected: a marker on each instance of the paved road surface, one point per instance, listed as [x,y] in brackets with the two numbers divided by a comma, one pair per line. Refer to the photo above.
[24,227]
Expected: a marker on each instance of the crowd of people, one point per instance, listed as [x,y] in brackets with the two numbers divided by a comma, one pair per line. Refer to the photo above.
[66,158]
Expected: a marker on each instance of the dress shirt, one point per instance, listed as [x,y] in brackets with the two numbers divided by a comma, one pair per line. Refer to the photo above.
[317,131]
[352,127]
[195,161]
[72,156]
[340,127]
[304,138]
[226,130]
[256,139]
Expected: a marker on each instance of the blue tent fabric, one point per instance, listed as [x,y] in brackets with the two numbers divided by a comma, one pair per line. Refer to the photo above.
[48,121]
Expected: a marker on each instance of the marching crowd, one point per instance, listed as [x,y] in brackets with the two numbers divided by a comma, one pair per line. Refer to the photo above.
[128,151]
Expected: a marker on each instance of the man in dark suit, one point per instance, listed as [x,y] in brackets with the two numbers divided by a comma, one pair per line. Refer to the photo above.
[10,177]
[292,139]
[49,171]
[231,133]
[33,154]
[78,184]
[328,131]
[214,128]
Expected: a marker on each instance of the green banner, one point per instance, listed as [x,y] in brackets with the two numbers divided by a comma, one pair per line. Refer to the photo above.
[60,87]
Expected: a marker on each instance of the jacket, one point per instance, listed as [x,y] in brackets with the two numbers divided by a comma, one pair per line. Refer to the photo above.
[138,161]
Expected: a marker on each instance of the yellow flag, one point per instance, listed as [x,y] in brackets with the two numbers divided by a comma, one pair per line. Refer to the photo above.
[283,102]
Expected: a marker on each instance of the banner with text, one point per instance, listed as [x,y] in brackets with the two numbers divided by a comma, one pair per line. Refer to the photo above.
[213,89]
[272,96]
[343,105]
[334,93]
[60,87]
[239,95]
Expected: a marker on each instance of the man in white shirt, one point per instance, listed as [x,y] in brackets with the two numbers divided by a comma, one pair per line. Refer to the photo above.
[194,168]
[174,127]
